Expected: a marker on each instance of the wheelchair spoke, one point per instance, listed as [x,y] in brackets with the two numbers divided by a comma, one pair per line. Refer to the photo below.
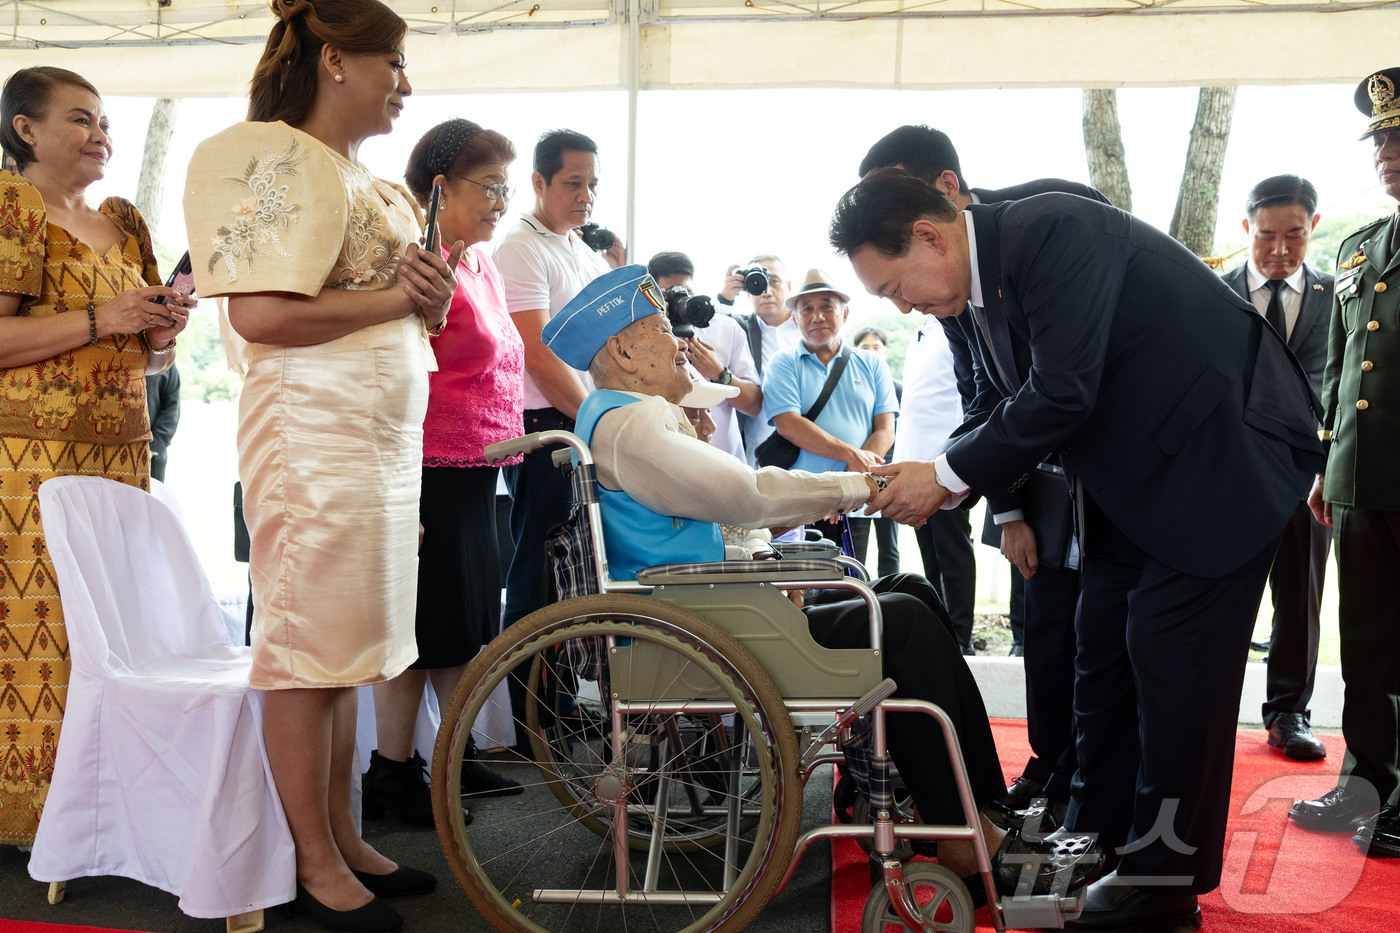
[707,834]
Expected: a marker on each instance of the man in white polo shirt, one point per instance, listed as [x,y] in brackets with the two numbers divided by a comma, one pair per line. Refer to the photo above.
[545,263]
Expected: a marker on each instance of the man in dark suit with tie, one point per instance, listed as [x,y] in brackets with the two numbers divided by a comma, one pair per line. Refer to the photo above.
[1172,404]
[1050,593]
[1296,300]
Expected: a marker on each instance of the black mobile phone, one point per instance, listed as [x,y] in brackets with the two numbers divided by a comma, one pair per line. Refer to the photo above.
[434,199]
[182,276]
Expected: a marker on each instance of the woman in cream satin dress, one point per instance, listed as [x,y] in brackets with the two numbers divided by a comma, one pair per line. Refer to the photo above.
[329,306]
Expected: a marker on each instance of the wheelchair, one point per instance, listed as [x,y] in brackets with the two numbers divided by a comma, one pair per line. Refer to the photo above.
[672,722]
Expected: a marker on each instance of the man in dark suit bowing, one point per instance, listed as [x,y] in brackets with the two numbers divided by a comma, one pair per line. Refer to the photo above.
[1043,623]
[1281,213]
[1171,404]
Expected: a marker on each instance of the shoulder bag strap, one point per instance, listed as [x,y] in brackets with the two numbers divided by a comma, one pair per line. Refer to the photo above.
[835,376]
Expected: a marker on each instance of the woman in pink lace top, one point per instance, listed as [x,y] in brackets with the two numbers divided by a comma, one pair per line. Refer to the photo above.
[474,399]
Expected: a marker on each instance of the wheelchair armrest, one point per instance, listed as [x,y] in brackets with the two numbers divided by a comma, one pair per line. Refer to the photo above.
[819,548]
[740,571]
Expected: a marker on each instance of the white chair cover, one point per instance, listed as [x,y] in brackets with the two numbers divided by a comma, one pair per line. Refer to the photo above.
[161,773]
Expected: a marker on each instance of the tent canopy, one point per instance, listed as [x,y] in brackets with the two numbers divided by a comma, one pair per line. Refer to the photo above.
[191,48]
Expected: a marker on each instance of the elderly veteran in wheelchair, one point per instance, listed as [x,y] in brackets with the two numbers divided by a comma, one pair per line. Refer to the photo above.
[664,494]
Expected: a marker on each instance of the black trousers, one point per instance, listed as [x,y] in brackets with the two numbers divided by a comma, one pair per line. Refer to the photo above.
[539,500]
[945,542]
[1295,586]
[1052,598]
[921,656]
[1368,581]
[1158,673]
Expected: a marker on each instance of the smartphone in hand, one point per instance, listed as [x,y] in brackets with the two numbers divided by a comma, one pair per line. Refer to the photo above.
[431,230]
[182,277]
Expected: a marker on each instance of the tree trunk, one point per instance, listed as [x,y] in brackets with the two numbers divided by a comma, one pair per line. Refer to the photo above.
[151,186]
[1103,147]
[1198,200]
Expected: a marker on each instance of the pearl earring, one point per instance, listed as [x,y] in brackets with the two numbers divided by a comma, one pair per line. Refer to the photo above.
[339,78]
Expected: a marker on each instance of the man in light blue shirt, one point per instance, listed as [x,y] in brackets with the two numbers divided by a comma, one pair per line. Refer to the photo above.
[855,428]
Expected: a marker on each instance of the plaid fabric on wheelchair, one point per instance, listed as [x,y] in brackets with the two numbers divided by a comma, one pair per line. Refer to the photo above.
[572,558]
[871,780]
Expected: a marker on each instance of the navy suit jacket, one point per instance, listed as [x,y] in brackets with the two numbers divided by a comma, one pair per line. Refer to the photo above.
[1308,341]
[1166,395]
[960,340]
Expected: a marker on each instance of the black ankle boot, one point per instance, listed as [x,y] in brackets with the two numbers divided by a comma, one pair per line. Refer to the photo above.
[400,787]
[480,781]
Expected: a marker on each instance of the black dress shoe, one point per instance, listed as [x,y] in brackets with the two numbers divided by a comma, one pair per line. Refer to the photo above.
[1042,815]
[1263,646]
[400,882]
[374,917]
[1379,838]
[480,781]
[1114,906]
[1336,811]
[1290,732]
[1020,794]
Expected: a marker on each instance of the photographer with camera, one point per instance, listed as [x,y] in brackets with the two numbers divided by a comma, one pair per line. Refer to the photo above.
[721,355]
[769,325]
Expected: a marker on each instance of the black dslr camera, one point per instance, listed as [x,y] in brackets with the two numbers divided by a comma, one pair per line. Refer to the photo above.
[755,279]
[599,239]
[686,311]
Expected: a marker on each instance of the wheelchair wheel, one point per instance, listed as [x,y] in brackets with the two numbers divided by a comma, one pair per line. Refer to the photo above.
[940,896]
[684,715]
[566,740]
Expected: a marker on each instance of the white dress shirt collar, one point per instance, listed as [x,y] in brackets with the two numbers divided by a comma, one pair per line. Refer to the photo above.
[972,255]
[1256,279]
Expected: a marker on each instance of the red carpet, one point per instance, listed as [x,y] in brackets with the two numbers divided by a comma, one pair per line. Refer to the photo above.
[25,926]
[1278,878]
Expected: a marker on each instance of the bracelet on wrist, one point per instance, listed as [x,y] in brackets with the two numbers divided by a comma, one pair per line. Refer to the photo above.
[437,330]
[92,325]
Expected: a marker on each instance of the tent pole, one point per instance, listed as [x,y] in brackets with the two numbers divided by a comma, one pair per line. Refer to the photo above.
[634,80]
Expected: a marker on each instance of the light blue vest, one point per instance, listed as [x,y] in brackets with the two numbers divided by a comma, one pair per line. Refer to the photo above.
[634,535]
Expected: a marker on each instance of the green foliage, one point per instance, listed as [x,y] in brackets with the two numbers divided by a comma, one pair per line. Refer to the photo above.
[900,327]
[1331,231]
[204,372]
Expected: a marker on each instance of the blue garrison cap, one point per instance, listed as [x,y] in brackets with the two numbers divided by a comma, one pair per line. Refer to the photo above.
[604,307]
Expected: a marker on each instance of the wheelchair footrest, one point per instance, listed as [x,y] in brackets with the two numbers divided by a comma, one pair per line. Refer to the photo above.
[1041,911]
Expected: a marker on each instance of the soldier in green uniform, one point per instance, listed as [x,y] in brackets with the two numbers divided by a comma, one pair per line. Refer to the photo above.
[1360,497]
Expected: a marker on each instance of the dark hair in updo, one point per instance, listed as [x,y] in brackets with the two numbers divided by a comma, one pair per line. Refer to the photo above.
[284,81]
[455,147]
[28,92]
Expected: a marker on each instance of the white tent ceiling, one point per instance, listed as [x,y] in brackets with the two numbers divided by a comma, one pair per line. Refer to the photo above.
[190,48]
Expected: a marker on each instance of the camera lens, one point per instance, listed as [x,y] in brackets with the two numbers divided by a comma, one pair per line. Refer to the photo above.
[599,239]
[755,279]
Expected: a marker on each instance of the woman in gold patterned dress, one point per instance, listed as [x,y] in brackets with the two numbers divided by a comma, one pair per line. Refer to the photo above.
[329,306]
[79,331]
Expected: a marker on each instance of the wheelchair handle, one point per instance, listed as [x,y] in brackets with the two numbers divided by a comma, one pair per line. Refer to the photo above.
[532,442]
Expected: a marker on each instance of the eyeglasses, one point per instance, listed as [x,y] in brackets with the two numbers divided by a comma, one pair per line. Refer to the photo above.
[494,192]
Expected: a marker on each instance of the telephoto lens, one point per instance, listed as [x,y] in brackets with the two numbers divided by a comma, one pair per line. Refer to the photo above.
[687,312]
